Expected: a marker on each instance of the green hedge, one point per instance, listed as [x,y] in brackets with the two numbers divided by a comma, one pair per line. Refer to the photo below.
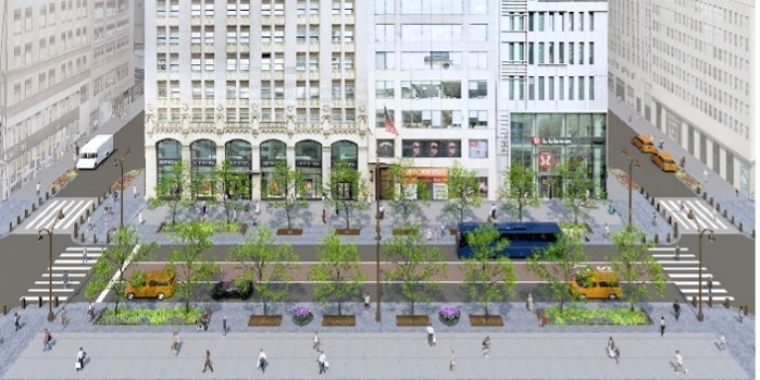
[151,317]
[619,316]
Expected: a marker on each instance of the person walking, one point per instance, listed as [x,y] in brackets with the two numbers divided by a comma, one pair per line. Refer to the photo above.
[606,231]
[322,361]
[654,218]
[64,315]
[676,309]
[366,300]
[493,211]
[262,362]
[662,325]
[611,346]
[175,343]
[430,335]
[452,361]
[741,316]
[709,285]
[679,364]
[89,223]
[140,218]
[17,320]
[90,311]
[682,207]
[722,342]
[85,258]
[487,347]
[662,143]
[207,364]
[224,326]
[705,173]
[317,343]
[678,252]
[443,231]
[134,190]
[80,358]
[46,338]
[324,216]
[38,189]
[65,279]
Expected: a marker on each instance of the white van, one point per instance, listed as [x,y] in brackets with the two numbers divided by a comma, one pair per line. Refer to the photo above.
[95,152]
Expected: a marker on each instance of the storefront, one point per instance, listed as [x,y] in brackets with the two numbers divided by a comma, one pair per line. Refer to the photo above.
[309,165]
[542,141]
[433,181]
[203,161]
[271,152]
[238,154]
[348,153]
[168,152]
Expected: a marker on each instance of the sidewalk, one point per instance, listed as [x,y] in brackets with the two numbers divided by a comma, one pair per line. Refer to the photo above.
[371,350]
[716,187]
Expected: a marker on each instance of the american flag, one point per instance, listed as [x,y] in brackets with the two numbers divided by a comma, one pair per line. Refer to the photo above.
[389,127]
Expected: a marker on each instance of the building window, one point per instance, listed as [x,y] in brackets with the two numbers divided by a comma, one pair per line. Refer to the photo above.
[478,89]
[478,119]
[531,88]
[581,93]
[195,63]
[590,53]
[541,52]
[541,21]
[551,88]
[479,32]
[580,53]
[478,60]
[174,35]
[385,33]
[384,89]
[540,88]
[570,50]
[591,21]
[478,6]
[174,62]
[384,7]
[195,35]
[384,60]
[530,53]
[511,85]
[521,88]
[562,52]
[161,36]
[561,88]
[570,88]
[591,88]
[231,62]
[209,63]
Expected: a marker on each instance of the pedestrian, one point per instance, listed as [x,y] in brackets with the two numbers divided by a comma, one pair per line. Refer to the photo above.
[430,335]
[679,364]
[17,321]
[322,361]
[224,326]
[676,309]
[366,300]
[493,211]
[736,190]
[683,162]
[234,214]
[709,285]
[257,209]
[530,302]
[651,137]
[89,223]
[487,347]
[38,189]
[80,358]
[678,252]
[64,315]
[262,362]
[429,234]
[654,218]
[134,190]
[382,212]
[606,231]
[741,316]
[46,338]
[316,342]
[722,342]
[611,347]
[140,218]
[90,311]
[85,258]
[662,143]
[443,231]
[207,364]
[662,325]
[76,149]
[682,207]
[324,216]
[65,279]
[175,343]
[452,361]
[705,173]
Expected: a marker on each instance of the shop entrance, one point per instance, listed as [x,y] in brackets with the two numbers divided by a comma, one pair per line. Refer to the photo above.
[549,185]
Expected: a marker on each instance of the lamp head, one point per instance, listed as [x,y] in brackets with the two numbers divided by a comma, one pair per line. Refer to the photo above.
[39,236]
[115,163]
[711,237]
[690,215]
[636,162]
[624,151]
[60,215]
[128,152]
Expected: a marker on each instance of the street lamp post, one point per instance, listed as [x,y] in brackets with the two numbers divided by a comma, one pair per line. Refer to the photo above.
[378,314]
[40,236]
[119,162]
[711,237]
[631,163]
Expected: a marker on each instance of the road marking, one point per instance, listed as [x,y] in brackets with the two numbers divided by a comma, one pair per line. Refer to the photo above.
[704,291]
[693,283]
[715,299]
[31,298]
[681,268]
[44,213]
[688,275]
[670,255]
[69,268]
[105,291]
[54,290]
[678,262]
[61,274]
[56,283]
[80,255]
[81,249]
[76,216]
[668,249]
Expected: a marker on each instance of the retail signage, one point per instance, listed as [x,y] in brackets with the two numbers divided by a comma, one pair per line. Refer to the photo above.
[309,163]
[204,162]
[240,163]
[545,160]
[166,162]
[552,140]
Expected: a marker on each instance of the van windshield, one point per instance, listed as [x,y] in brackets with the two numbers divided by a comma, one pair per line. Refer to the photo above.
[88,155]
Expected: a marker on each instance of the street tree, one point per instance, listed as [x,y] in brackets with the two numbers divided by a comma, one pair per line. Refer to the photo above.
[186,258]
[408,193]
[232,183]
[557,266]
[635,267]
[345,190]
[170,190]
[519,187]
[416,266]
[266,263]
[120,257]
[339,272]
[462,190]
[579,187]
[488,275]
[290,184]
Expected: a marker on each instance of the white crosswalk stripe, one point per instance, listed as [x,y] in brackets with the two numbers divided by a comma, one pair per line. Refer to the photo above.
[72,209]
[683,272]
[706,216]
[70,261]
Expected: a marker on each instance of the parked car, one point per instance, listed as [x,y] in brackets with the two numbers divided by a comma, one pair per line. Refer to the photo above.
[229,289]
[664,161]
[644,144]
[595,284]
[158,284]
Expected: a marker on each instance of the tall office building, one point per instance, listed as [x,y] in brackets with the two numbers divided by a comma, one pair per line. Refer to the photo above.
[552,97]
[687,67]
[66,66]
[256,83]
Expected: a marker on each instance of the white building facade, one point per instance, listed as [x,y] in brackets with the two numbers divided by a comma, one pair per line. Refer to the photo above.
[552,88]
[687,67]
[255,83]
[66,67]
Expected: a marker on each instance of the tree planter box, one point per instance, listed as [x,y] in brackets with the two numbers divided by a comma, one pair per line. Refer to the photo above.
[412,320]
[453,231]
[291,231]
[486,321]
[347,231]
[339,321]
[160,227]
[265,320]
[404,231]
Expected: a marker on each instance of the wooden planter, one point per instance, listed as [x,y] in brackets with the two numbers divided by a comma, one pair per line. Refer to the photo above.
[290,232]
[339,321]
[453,231]
[265,320]
[412,320]
[405,231]
[243,228]
[486,320]
[348,231]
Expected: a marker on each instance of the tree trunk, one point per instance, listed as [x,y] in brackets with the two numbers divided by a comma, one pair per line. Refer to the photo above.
[412,302]
[346,215]
[519,210]
[340,308]
[287,215]
[265,306]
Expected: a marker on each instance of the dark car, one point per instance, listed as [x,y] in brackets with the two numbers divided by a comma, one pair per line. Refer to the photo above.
[229,289]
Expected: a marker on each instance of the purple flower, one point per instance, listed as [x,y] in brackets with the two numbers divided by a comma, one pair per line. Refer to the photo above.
[302,315]
[450,312]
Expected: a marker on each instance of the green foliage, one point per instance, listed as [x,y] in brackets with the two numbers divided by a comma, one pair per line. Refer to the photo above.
[208,226]
[151,317]
[462,190]
[192,240]
[170,190]
[407,193]
[125,250]
[598,316]
[557,266]
[577,182]
[339,273]
[345,190]
[265,262]
[519,187]
[233,184]
[291,185]
[635,267]
[488,276]
[416,264]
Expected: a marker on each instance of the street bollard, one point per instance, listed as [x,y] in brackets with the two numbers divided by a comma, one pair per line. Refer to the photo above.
[81,238]
[704,195]
[10,226]
[81,219]
[741,226]
[5,309]
[642,189]
[76,226]
[23,303]
[26,213]
[47,195]
[725,213]
[717,206]
[675,230]
[644,239]
[746,310]
[657,238]
[34,207]
[93,207]
[651,200]
[108,238]
[55,301]
[733,220]
[39,300]
[658,207]
[668,237]
[18,219]
[711,201]
[709,301]
[727,303]
[670,220]
[694,301]
[40,201]
[87,213]
[95,238]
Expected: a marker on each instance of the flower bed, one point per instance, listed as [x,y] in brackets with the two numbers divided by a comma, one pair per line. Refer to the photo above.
[63,180]
[687,179]
[126,180]
[302,315]
[449,315]
[152,317]
[623,178]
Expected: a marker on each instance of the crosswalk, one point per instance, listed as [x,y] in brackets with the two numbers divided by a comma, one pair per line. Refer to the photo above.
[71,262]
[707,216]
[72,209]
[683,272]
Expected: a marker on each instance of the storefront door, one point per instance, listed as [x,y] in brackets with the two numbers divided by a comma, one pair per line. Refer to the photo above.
[548,185]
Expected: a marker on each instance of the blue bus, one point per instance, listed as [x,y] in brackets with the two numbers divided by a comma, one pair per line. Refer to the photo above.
[525,239]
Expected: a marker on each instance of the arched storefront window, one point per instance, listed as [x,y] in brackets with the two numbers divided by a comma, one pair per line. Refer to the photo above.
[309,164]
[238,153]
[203,161]
[168,152]
[345,151]
[271,152]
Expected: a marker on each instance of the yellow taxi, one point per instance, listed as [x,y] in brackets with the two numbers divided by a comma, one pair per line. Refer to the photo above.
[644,144]
[664,161]
[595,284]
[158,284]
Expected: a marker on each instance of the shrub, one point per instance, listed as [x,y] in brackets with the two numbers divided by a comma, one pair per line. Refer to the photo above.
[153,317]
[449,315]
[302,315]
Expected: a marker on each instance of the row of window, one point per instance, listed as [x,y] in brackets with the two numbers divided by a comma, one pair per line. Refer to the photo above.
[543,88]
[303,115]
[243,8]
[430,33]
[545,52]
[46,15]
[429,7]
[23,129]
[205,62]
[551,21]
[431,60]
[417,119]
